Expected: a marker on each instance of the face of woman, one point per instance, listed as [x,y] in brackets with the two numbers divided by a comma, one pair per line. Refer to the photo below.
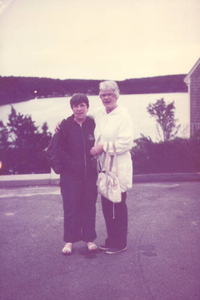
[80,112]
[109,100]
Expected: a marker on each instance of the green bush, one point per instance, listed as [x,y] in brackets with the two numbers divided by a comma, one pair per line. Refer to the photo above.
[174,156]
[22,145]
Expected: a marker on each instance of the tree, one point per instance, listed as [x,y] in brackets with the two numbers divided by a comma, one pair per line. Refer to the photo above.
[23,145]
[164,115]
[4,144]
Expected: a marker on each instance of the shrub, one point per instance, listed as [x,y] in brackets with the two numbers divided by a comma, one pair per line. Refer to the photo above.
[174,156]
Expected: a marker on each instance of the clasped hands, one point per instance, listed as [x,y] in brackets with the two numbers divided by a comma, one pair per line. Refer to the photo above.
[96,150]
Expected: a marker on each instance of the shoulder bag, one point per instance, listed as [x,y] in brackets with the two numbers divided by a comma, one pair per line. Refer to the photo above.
[108,181]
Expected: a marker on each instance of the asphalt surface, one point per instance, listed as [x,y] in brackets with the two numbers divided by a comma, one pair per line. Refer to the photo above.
[162,261]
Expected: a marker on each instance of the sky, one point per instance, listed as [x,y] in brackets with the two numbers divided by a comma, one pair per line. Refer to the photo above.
[102,39]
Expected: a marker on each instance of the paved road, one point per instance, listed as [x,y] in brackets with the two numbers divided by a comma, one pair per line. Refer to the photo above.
[162,261]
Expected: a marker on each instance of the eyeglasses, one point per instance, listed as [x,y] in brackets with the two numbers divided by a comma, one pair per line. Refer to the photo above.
[107,95]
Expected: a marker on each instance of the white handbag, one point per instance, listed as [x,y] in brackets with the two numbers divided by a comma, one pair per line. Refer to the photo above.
[108,181]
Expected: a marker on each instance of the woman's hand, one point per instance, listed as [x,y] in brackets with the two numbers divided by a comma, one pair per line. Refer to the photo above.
[57,127]
[96,150]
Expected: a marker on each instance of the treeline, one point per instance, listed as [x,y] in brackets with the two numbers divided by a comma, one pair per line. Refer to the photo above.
[18,89]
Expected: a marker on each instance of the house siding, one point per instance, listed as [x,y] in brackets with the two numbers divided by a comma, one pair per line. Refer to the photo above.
[195,100]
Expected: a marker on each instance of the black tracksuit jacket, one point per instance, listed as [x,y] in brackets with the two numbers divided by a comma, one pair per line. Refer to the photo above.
[75,143]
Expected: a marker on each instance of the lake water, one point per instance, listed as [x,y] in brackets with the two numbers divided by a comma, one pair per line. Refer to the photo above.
[51,110]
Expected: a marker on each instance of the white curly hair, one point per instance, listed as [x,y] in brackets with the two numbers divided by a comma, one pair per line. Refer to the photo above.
[109,85]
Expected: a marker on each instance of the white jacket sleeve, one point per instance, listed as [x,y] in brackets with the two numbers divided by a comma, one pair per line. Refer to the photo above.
[124,140]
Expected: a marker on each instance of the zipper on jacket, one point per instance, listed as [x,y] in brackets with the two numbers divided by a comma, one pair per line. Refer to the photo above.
[84,150]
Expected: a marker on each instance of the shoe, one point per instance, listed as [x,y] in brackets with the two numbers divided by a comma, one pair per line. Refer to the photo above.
[91,247]
[115,250]
[67,250]
[104,247]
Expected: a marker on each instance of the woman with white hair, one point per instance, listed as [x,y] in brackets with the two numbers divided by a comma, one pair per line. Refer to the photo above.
[113,124]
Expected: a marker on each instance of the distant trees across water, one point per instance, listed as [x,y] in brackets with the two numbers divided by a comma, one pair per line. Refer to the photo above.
[19,89]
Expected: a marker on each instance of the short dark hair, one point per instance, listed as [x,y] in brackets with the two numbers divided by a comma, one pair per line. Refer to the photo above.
[78,99]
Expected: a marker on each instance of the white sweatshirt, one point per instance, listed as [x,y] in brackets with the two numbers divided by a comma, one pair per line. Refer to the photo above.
[116,127]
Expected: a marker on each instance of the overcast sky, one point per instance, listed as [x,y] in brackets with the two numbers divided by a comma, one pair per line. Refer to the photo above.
[98,39]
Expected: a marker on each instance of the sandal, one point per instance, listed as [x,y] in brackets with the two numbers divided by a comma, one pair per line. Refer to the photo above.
[67,250]
[91,247]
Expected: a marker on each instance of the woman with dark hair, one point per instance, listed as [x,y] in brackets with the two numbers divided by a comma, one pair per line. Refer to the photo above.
[78,176]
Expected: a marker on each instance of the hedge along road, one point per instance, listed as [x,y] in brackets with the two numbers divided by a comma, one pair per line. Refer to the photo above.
[162,260]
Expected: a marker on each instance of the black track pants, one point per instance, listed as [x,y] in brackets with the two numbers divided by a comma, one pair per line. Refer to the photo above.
[116,222]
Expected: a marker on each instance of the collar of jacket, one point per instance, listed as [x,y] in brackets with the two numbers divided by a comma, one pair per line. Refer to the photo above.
[71,119]
[116,111]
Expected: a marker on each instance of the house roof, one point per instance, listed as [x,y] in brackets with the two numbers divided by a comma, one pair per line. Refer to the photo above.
[187,77]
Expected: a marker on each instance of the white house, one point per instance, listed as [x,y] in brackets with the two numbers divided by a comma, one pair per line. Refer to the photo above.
[193,82]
